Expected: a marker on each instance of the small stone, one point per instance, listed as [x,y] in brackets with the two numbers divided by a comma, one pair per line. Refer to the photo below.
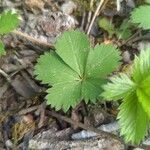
[143,45]
[111,127]
[68,7]
[28,119]
[36,6]
[131,3]
[8,68]
[27,52]
[147,141]
[126,57]
[9,144]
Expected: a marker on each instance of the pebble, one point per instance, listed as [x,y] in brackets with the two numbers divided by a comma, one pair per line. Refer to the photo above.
[28,119]
[36,6]
[9,144]
[143,45]
[126,57]
[68,7]
[131,3]
[147,141]
[111,128]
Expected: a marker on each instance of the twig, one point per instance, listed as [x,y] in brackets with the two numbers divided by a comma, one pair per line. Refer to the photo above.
[83,20]
[144,37]
[32,39]
[89,15]
[83,126]
[28,110]
[131,38]
[4,74]
[95,14]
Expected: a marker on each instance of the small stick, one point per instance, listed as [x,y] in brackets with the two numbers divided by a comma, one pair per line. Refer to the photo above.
[83,126]
[89,15]
[32,39]
[83,20]
[95,14]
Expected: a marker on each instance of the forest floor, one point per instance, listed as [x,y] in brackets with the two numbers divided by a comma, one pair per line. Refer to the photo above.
[26,121]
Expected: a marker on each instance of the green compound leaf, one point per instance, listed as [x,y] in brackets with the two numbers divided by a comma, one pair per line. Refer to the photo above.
[8,22]
[68,70]
[141,16]
[119,87]
[133,120]
[102,61]
[134,115]
[2,49]
[73,48]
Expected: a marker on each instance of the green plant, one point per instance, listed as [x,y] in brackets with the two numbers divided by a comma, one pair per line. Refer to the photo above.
[134,115]
[141,16]
[9,20]
[75,70]
[124,31]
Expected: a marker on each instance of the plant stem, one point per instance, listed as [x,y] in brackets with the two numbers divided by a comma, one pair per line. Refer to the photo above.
[32,39]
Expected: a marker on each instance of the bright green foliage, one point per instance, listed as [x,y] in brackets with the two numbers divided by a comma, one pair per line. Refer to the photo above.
[105,24]
[125,30]
[119,87]
[2,50]
[122,32]
[8,22]
[147,1]
[133,120]
[134,115]
[141,16]
[75,70]
[67,46]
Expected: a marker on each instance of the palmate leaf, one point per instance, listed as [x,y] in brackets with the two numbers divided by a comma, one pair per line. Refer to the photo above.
[133,120]
[141,16]
[8,22]
[68,70]
[2,50]
[134,115]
